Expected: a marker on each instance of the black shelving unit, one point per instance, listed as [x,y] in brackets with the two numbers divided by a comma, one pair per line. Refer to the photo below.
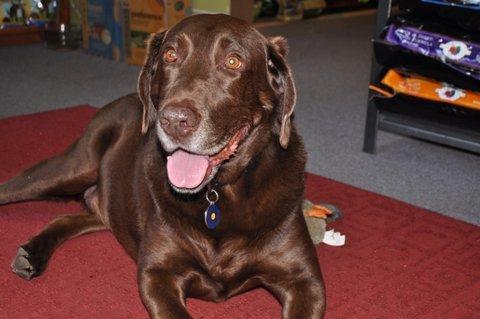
[404,119]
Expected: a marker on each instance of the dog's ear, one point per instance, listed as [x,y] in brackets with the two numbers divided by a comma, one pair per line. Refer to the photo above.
[281,80]
[144,86]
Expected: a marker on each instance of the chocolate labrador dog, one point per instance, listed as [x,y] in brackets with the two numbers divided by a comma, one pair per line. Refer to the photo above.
[200,176]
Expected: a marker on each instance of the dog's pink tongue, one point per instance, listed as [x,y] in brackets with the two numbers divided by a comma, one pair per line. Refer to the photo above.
[186,170]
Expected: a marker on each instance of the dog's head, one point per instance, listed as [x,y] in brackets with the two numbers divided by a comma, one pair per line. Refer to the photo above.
[213,87]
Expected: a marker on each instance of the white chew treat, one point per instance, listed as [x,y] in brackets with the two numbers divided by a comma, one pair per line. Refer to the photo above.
[333,238]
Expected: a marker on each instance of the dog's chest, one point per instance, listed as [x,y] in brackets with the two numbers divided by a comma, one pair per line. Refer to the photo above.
[222,271]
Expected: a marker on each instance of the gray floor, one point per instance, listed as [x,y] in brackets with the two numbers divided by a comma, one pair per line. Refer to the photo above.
[331,60]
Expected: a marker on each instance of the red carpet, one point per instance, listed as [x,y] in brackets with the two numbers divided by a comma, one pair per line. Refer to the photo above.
[400,261]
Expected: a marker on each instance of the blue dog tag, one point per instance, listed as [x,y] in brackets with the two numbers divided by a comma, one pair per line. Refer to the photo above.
[212,216]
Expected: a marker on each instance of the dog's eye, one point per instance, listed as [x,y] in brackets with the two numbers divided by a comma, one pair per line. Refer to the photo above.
[170,56]
[233,63]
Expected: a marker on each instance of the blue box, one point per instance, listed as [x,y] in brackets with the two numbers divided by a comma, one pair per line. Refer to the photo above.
[104,28]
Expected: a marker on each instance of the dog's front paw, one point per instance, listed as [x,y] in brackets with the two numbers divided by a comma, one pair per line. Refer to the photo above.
[25,265]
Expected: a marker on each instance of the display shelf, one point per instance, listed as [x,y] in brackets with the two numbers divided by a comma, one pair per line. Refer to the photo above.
[411,119]
[433,121]
[21,35]
[343,5]
[428,130]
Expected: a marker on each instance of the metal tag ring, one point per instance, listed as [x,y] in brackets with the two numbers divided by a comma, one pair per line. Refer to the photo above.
[214,192]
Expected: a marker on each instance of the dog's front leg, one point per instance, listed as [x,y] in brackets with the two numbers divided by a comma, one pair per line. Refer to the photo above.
[303,299]
[162,294]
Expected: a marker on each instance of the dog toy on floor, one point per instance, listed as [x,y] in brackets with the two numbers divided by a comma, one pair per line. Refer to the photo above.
[317,217]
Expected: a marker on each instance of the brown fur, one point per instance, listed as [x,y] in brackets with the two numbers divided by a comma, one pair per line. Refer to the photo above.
[119,164]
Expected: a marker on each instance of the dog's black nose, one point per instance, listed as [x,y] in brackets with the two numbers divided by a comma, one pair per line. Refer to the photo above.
[179,121]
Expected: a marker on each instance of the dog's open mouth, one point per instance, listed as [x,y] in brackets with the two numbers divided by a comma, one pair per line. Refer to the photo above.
[188,171]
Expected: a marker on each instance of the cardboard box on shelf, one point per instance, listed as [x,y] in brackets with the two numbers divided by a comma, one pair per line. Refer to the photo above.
[176,11]
[120,23]
[104,28]
[209,7]
[147,17]
[242,9]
